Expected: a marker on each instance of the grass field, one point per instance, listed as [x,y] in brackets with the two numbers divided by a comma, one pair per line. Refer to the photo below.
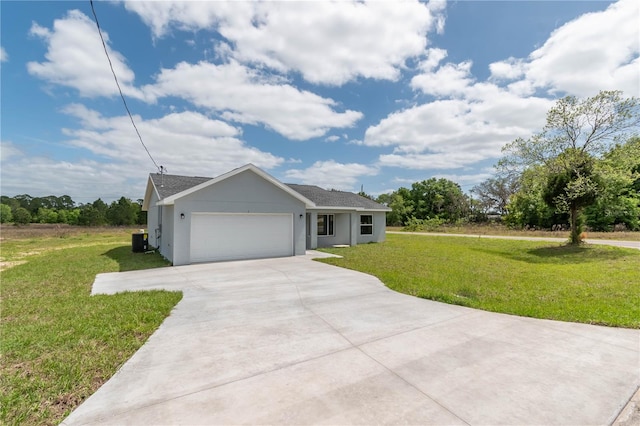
[58,343]
[588,284]
[497,229]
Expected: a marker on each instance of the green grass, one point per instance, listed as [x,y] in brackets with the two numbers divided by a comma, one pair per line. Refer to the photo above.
[58,343]
[588,284]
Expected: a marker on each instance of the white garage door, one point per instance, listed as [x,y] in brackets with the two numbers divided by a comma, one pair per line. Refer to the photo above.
[222,236]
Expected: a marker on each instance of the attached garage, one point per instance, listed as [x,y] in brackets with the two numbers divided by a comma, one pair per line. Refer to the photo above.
[233,236]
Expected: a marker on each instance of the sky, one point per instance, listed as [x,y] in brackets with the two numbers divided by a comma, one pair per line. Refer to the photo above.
[344,95]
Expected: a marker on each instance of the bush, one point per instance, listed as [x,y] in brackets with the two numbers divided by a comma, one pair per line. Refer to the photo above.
[5,214]
[21,216]
[416,225]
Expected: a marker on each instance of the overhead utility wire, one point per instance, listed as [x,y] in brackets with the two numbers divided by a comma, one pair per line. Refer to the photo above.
[119,89]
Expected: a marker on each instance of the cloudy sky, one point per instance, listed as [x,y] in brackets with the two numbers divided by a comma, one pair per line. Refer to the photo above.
[337,94]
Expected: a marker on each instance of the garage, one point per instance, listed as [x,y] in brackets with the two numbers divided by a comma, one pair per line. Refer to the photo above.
[233,236]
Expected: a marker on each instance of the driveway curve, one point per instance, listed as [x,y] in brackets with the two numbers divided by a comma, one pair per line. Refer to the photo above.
[292,341]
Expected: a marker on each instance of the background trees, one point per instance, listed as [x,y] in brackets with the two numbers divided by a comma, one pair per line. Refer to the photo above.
[573,157]
[24,209]
[440,200]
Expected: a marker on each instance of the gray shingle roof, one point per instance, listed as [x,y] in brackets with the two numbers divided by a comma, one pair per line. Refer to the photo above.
[169,185]
[323,198]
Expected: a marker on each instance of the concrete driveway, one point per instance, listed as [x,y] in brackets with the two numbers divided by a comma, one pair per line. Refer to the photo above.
[292,341]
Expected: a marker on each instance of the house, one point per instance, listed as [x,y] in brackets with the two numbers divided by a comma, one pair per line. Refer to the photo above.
[248,214]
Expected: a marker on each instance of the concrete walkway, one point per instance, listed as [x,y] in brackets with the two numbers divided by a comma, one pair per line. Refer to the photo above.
[615,243]
[291,341]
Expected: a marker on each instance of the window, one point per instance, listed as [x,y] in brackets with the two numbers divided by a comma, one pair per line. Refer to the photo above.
[366,224]
[325,224]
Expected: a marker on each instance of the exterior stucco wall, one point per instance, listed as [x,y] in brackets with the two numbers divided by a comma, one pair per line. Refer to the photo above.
[245,192]
[167,235]
[152,222]
[160,227]
[379,227]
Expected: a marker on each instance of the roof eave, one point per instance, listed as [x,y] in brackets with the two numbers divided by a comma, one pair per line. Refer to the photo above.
[147,194]
[357,209]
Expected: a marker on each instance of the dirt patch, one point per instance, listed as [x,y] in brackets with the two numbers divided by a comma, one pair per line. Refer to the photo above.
[7,265]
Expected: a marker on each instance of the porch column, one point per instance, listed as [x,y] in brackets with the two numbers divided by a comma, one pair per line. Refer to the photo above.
[355,227]
[313,226]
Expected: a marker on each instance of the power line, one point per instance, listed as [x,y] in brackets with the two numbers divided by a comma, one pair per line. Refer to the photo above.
[118,84]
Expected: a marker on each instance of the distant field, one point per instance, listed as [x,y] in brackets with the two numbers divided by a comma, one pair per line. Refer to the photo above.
[503,230]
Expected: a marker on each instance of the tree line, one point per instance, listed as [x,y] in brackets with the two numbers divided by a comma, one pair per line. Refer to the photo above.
[24,209]
[583,168]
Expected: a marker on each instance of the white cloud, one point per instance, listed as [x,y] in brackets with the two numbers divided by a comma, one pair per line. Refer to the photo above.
[465,180]
[186,143]
[331,174]
[438,161]
[332,138]
[449,80]
[246,96]
[8,150]
[509,69]
[4,56]
[84,180]
[454,133]
[327,42]
[432,59]
[597,51]
[111,162]
[75,58]
[190,16]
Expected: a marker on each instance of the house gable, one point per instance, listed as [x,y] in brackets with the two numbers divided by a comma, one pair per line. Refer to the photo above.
[171,199]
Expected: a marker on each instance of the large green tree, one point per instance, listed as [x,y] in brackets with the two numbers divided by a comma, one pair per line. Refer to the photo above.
[619,199]
[438,198]
[123,212]
[576,132]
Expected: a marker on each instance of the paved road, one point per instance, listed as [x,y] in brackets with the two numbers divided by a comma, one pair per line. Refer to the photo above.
[616,243]
[291,341]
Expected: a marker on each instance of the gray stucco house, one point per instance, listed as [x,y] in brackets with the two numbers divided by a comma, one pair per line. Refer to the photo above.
[248,214]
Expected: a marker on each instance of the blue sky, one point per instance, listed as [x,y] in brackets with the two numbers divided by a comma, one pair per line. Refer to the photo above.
[337,94]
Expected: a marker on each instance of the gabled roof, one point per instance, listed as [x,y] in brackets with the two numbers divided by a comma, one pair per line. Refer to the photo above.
[172,187]
[170,199]
[168,185]
[336,199]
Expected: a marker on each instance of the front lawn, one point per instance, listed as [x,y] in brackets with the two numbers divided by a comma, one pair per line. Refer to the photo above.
[588,284]
[58,343]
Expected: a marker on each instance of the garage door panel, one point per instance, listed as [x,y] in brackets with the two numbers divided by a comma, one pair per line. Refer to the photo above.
[240,236]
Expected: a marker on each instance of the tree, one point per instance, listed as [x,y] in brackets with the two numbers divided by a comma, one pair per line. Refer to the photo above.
[572,185]
[21,216]
[438,198]
[619,199]
[576,131]
[122,212]
[90,216]
[5,213]
[526,208]
[400,209]
[494,193]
